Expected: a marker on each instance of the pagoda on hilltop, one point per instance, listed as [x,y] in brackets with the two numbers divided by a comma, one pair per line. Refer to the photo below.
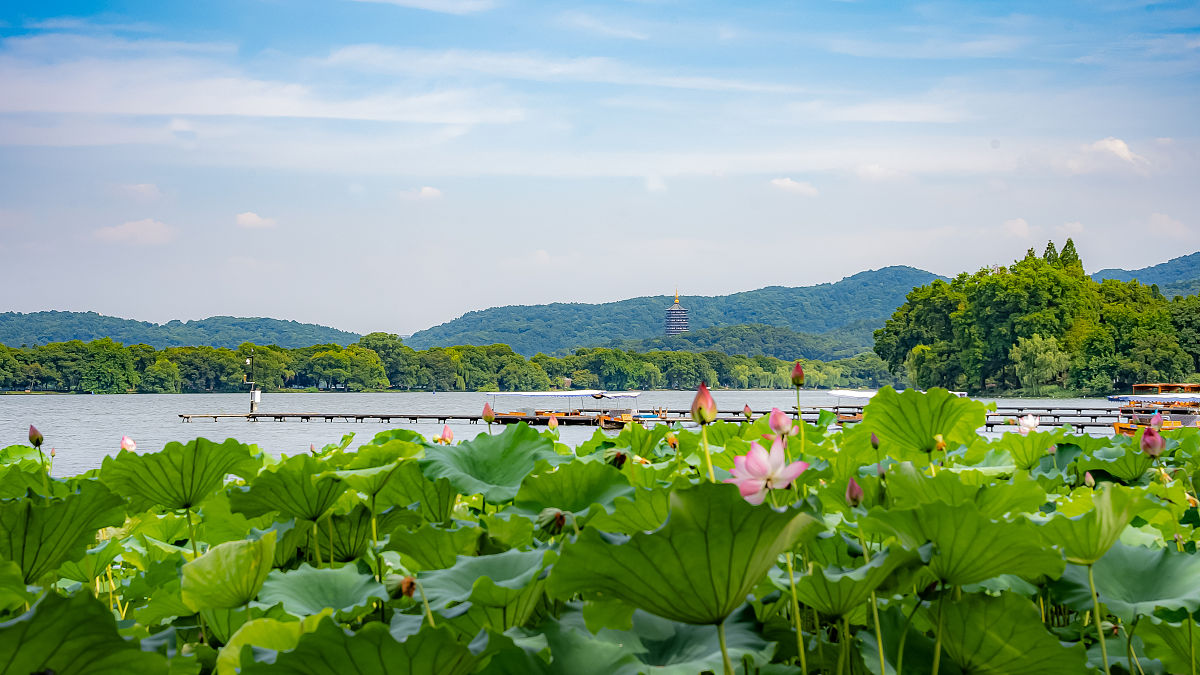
[677,317]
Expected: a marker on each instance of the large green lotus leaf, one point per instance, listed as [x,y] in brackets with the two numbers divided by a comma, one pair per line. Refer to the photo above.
[71,636]
[697,568]
[647,511]
[492,466]
[227,575]
[573,487]
[495,591]
[179,476]
[969,547]
[1086,538]
[292,488]
[18,479]
[1123,460]
[907,486]
[906,423]
[218,523]
[1177,646]
[918,646]
[264,633]
[408,486]
[330,650]
[288,540]
[93,563]
[306,591]
[164,604]
[369,481]
[1003,635]
[642,439]
[433,547]
[1028,450]
[508,530]
[13,590]
[1133,581]
[838,591]
[40,533]
[351,535]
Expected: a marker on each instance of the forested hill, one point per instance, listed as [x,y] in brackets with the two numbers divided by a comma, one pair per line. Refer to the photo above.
[762,340]
[1182,269]
[559,327]
[18,329]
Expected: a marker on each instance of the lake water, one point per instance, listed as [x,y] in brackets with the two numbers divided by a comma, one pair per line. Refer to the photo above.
[84,429]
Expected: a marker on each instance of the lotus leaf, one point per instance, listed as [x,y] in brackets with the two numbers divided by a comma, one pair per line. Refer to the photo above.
[306,591]
[907,423]
[647,511]
[1122,460]
[573,487]
[40,533]
[909,487]
[1133,581]
[697,568]
[71,636]
[838,591]
[293,488]
[12,586]
[179,476]
[1004,635]
[434,547]
[1086,538]
[264,633]
[227,575]
[1177,646]
[492,466]
[1027,450]
[502,590]
[435,499]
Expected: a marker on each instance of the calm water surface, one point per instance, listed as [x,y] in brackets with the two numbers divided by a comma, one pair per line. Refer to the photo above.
[84,429]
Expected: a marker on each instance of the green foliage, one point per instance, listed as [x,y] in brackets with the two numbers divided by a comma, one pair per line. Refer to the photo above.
[180,476]
[229,575]
[1173,271]
[492,466]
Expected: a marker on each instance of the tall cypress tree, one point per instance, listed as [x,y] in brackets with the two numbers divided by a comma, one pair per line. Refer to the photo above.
[1069,258]
[1051,254]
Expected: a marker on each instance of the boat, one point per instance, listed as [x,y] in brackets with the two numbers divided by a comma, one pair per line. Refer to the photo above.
[1178,404]
[568,407]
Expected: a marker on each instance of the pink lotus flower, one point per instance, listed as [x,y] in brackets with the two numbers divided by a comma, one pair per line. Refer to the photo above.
[35,437]
[488,415]
[553,423]
[704,408]
[1156,422]
[1153,442]
[758,471]
[781,424]
[797,375]
[1027,424]
[128,444]
[854,493]
[447,436]
[747,411]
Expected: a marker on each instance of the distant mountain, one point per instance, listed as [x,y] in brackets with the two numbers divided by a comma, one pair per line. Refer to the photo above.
[1189,287]
[1183,268]
[868,296]
[18,329]
[762,340]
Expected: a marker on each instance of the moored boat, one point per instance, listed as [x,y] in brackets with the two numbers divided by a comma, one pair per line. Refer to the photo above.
[1177,405]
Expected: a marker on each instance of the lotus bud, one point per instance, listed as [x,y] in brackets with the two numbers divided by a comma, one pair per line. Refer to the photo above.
[747,411]
[1109,627]
[1089,480]
[780,423]
[1153,442]
[797,375]
[408,586]
[672,440]
[35,437]
[1051,450]
[553,520]
[312,448]
[874,441]
[615,457]
[128,444]
[704,408]
[879,470]
[52,453]
[553,422]
[939,443]
[854,493]
[447,436]
[1156,422]
[488,415]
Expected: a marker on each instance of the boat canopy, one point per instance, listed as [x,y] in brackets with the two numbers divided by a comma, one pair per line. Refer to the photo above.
[852,393]
[1157,398]
[574,393]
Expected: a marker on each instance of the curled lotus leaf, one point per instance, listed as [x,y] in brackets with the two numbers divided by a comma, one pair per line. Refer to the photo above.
[179,476]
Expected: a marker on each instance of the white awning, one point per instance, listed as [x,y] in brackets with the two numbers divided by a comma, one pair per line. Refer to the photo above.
[852,393]
[1157,398]
[574,393]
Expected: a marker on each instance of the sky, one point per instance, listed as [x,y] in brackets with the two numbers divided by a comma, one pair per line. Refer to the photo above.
[392,164]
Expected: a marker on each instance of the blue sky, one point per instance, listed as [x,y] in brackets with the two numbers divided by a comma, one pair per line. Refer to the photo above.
[389,165]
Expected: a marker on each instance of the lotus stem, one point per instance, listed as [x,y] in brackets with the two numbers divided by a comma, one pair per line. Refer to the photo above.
[904,637]
[1191,645]
[1129,646]
[799,416]
[330,521]
[1096,612]
[192,532]
[375,543]
[708,457]
[937,647]
[724,649]
[316,534]
[844,655]
[425,601]
[796,619]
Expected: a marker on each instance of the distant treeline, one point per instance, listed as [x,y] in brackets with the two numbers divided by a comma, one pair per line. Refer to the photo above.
[382,361]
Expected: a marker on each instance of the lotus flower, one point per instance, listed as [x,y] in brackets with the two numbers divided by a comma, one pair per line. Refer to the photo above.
[1156,422]
[128,444]
[781,424]
[797,375]
[704,408]
[1027,424]
[488,415]
[35,437]
[447,436]
[1088,479]
[758,471]
[553,422]
[1153,442]
[747,411]
[854,493]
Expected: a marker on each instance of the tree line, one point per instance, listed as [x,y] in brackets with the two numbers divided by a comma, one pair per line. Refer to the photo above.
[1041,325]
[381,361]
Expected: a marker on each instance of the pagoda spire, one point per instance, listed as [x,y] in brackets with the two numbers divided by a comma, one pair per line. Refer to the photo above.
[677,295]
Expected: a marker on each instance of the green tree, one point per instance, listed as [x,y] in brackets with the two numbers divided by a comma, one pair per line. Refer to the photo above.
[161,377]
[1051,254]
[1068,258]
[108,368]
[399,360]
[1185,317]
[1038,361]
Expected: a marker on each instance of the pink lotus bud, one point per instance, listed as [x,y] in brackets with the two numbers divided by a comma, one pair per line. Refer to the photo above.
[780,423]
[488,415]
[447,436]
[553,422]
[747,411]
[128,444]
[1088,480]
[35,437]
[797,375]
[52,453]
[1153,442]
[874,441]
[704,408]
[854,493]
[1156,422]
[879,470]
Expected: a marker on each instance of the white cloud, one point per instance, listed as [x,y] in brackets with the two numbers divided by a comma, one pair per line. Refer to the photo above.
[251,219]
[803,188]
[1161,223]
[141,191]
[1072,229]
[1017,227]
[592,24]
[443,6]
[145,232]
[1101,154]
[1117,147]
[423,192]
[876,171]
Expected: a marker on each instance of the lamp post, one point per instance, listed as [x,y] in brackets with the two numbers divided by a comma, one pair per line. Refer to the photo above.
[254,394]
